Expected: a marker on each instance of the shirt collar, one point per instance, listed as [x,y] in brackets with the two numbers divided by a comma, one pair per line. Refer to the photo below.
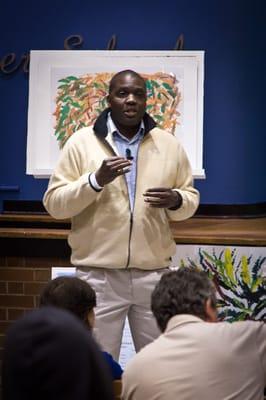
[113,129]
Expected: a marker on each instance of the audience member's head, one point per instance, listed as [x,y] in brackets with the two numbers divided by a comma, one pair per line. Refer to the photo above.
[72,294]
[50,355]
[185,291]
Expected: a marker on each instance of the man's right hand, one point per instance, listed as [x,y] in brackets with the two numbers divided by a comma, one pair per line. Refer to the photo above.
[111,168]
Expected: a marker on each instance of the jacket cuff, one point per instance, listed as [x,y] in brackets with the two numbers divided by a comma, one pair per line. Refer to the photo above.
[93,183]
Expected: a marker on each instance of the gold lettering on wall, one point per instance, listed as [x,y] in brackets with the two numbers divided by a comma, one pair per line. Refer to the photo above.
[9,65]
[179,45]
[73,41]
[111,45]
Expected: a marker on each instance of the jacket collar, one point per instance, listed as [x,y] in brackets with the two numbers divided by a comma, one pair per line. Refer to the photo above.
[180,320]
[100,126]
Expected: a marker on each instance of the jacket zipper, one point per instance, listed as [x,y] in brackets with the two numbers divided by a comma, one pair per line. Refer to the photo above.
[107,144]
[133,206]
[129,238]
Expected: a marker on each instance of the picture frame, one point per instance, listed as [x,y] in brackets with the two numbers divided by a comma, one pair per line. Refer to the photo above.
[68,88]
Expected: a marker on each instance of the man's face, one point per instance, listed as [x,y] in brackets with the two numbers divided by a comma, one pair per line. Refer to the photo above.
[127,100]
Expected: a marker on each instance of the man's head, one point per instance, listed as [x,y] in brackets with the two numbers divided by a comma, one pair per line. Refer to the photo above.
[127,100]
[72,294]
[185,291]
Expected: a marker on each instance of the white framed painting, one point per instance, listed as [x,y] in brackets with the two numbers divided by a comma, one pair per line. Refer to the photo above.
[68,89]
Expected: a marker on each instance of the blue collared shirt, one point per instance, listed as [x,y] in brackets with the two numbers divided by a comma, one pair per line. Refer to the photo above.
[122,143]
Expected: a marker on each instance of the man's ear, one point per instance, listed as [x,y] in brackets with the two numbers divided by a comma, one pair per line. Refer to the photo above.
[210,311]
[91,319]
[108,100]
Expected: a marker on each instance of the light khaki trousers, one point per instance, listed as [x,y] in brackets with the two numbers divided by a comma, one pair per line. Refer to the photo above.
[121,294]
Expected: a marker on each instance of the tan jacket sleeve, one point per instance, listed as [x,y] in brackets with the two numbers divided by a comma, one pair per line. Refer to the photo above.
[184,185]
[69,191]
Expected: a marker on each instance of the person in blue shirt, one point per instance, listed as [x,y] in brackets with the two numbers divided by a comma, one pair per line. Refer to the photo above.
[77,296]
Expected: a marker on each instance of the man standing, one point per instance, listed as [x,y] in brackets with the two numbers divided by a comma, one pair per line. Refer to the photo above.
[195,358]
[120,182]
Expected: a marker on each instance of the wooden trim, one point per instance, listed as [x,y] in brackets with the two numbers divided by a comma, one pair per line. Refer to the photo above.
[243,232]
[253,210]
[257,210]
[216,231]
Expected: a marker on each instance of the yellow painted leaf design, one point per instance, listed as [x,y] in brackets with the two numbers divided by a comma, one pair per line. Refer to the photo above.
[85,97]
[258,281]
[245,271]
[229,268]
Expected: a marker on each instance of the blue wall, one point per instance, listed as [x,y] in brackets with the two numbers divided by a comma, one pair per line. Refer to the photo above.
[233,34]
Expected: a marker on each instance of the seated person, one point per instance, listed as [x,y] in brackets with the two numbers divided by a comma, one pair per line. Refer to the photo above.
[49,355]
[77,296]
[196,357]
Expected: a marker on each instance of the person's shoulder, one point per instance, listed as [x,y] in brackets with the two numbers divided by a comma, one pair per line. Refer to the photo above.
[115,367]
[157,131]
[80,138]
[81,134]
[166,141]
[164,136]
[109,357]
[251,324]
[147,357]
[146,354]
[240,328]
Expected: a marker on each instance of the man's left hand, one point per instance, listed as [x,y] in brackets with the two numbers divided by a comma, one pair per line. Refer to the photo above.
[163,198]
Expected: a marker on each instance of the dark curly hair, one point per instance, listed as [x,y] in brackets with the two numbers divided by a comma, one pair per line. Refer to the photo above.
[183,291]
[69,293]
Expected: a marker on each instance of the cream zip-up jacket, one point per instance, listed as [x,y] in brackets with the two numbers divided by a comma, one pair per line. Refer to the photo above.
[104,231]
